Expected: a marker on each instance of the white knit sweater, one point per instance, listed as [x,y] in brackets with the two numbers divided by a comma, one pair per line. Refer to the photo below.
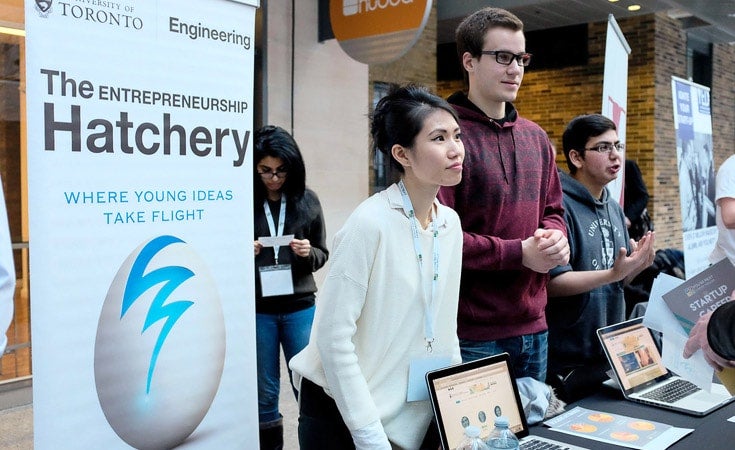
[369,321]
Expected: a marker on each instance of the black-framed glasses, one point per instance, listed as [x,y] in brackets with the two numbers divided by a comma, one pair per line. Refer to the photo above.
[269,174]
[607,147]
[505,58]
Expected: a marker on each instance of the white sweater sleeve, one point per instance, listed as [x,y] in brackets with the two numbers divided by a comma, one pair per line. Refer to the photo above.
[339,309]
[371,437]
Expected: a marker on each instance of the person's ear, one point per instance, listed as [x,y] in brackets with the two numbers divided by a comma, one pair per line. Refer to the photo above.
[576,159]
[468,62]
[399,152]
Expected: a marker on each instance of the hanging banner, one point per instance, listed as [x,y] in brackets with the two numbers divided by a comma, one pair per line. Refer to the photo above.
[693,124]
[615,92]
[140,207]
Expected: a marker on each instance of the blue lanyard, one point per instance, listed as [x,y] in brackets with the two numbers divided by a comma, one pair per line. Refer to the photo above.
[281,221]
[429,302]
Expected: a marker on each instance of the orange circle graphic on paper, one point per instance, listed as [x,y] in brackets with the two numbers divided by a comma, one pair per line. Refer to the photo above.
[642,425]
[600,417]
[624,436]
[583,427]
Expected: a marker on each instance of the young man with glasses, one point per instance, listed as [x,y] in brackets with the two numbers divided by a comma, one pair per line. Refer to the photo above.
[587,293]
[509,201]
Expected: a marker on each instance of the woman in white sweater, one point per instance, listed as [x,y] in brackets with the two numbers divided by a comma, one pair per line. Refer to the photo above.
[390,299]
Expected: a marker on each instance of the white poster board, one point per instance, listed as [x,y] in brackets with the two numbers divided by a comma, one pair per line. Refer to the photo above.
[693,124]
[140,206]
[615,91]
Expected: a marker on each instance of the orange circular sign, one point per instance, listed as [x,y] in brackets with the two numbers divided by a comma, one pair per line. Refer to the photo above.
[378,31]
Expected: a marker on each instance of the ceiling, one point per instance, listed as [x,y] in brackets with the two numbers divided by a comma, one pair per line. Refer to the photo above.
[708,20]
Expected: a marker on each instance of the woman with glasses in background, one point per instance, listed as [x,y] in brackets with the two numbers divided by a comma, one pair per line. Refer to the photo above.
[290,245]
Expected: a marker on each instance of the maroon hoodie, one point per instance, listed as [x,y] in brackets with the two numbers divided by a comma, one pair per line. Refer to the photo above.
[510,187]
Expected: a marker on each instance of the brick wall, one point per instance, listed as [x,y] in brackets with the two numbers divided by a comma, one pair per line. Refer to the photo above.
[669,60]
[723,102]
[418,65]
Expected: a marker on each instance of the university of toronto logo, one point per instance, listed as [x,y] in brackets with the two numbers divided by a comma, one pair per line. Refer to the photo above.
[43,7]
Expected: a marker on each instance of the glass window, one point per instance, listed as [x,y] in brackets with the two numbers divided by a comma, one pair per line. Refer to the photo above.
[699,61]
[16,362]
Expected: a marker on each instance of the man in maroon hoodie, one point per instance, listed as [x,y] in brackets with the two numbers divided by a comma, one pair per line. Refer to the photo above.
[509,201]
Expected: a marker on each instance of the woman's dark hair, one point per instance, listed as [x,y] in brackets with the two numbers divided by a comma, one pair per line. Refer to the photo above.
[399,117]
[580,130]
[276,142]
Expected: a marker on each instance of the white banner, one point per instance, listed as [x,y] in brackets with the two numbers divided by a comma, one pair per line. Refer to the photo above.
[693,124]
[140,199]
[615,91]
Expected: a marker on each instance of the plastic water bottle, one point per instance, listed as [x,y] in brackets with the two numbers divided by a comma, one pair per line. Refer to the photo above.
[472,440]
[501,437]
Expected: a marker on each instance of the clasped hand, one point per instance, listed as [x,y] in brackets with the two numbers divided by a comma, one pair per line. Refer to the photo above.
[545,250]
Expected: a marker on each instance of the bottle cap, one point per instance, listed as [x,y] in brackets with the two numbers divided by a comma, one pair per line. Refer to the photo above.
[472,431]
[501,421]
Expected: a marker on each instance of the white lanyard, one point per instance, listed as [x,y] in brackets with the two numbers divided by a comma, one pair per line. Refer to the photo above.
[281,221]
[429,303]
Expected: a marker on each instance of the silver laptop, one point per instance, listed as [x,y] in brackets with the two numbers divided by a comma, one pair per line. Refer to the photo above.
[474,393]
[642,376]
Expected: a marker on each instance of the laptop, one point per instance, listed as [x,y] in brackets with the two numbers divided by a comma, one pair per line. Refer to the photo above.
[639,371]
[474,393]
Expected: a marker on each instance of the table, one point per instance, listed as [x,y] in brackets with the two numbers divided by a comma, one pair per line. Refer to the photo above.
[712,431]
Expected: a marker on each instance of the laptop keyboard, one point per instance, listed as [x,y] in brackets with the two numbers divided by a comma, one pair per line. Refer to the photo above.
[671,392]
[535,444]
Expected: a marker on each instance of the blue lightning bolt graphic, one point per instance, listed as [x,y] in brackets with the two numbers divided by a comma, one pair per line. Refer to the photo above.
[139,282]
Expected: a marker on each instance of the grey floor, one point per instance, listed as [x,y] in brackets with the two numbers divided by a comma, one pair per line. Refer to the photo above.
[16,414]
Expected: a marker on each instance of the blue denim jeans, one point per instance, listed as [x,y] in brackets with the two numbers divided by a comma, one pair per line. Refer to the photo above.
[273,331]
[527,353]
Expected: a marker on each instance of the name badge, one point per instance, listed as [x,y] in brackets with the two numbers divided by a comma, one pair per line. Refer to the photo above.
[276,280]
[417,388]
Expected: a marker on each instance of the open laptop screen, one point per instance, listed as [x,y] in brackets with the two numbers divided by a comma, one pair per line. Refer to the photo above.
[632,352]
[475,393]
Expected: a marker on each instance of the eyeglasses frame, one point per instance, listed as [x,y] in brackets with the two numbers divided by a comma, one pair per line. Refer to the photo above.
[608,147]
[268,175]
[518,57]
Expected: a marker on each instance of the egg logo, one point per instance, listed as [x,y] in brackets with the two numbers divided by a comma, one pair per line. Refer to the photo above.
[160,346]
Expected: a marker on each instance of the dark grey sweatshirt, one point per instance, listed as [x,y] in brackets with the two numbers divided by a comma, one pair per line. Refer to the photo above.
[596,230]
